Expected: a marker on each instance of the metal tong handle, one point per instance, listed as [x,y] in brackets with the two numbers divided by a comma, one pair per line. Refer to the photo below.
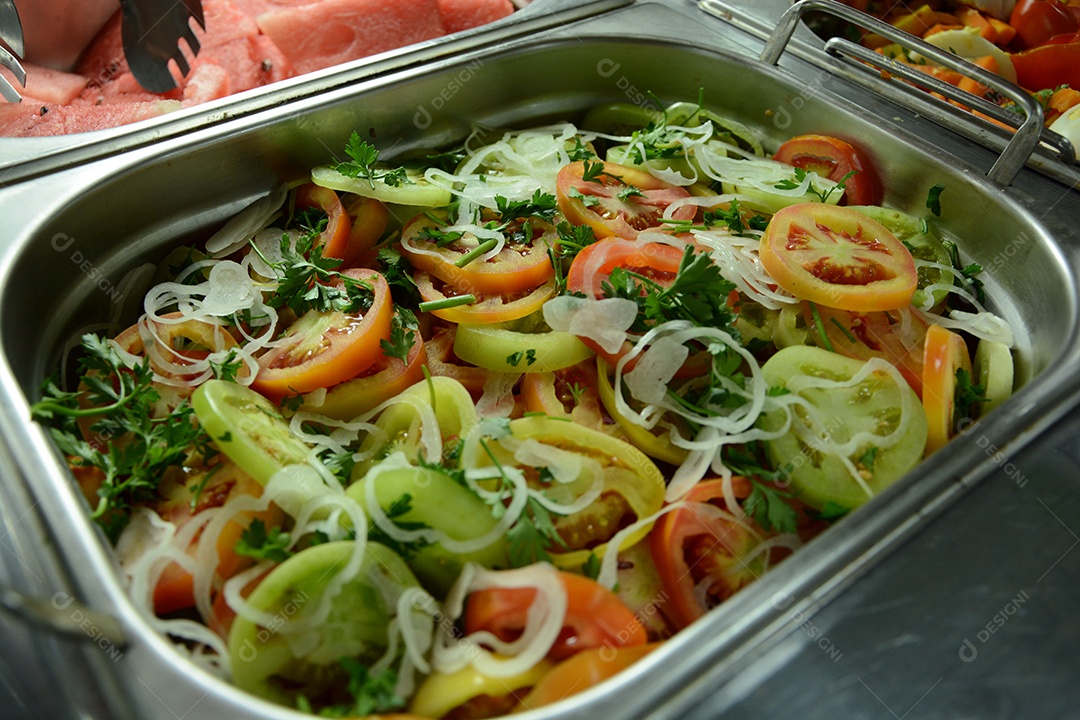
[63,616]
[1022,143]
[12,34]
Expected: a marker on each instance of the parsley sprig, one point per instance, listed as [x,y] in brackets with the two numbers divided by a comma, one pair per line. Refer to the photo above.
[309,281]
[364,164]
[256,542]
[371,693]
[133,444]
[698,293]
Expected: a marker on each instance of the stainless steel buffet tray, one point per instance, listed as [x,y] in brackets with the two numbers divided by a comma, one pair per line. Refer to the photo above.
[72,234]
[22,158]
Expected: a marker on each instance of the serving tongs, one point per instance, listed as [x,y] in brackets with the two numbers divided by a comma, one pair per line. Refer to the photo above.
[11,34]
[151,32]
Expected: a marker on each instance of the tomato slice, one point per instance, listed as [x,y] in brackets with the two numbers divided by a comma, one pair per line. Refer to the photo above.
[1036,21]
[593,265]
[387,378]
[581,672]
[209,487]
[946,352]
[488,308]
[321,350]
[700,553]
[834,158]
[839,258]
[567,393]
[617,201]
[595,617]
[369,220]
[442,362]
[522,264]
[897,336]
[335,238]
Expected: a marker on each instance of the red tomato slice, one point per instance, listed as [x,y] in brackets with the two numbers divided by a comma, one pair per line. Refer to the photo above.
[593,265]
[621,201]
[1049,66]
[519,266]
[896,336]
[487,309]
[175,588]
[387,378]
[321,350]
[595,616]
[699,553]
[369,219]
[946,352]
[1036,21]
[834,158]
[839,258]
[335,238]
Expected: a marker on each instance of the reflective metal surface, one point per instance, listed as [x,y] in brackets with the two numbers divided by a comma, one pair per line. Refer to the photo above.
[75,233]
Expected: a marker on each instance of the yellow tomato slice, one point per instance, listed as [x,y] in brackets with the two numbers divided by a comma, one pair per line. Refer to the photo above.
[945,353]
[838,258]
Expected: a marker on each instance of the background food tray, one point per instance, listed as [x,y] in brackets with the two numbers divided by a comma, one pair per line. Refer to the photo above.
[74,233]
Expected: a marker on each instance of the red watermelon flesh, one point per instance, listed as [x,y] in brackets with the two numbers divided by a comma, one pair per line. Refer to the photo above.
[47,85]
[325,33]
[67,119]
[458,15]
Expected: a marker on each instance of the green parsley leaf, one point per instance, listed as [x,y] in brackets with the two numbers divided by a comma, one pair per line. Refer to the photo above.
[406,549]
[371,693]
[403,334]
[256,542]
[364,164]
[769,508]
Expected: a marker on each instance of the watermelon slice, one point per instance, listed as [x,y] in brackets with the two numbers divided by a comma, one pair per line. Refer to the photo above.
[47,85]
[83,117]
[458,15]
[325,33]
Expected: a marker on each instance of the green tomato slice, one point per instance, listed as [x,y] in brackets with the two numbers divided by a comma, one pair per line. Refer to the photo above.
[993,370]
[296,653]
[915,234]
[417,191]
[248,428]
[400,424]
[873,408]
[438,507]
[730,131]
[790,328]
[496,348]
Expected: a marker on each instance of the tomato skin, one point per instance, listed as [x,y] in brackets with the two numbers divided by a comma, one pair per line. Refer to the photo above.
[945,353]
[1036,21]
[349,345]
[691,539]
[624,218]
[335,238]
[595,617]
[838,258]
[834,158]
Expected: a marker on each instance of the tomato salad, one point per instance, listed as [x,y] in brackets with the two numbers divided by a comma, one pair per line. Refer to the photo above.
[467,435]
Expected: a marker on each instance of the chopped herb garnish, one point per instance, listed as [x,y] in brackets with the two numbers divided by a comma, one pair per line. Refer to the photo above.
[256,542]
[364,164]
